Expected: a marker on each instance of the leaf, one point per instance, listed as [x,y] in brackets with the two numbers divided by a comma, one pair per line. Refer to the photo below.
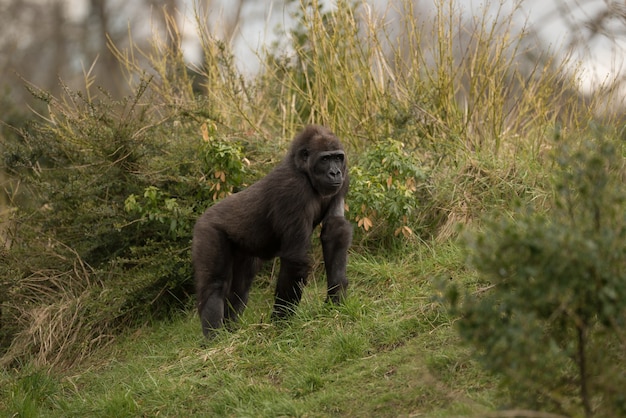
[205,132]
[221,175]
[404,230]
[365,223]
[411,184]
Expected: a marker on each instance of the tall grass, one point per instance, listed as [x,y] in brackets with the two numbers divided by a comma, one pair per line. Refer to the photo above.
[476,90]
[455,81]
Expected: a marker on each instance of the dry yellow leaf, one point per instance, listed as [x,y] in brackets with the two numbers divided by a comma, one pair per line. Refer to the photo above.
[205,132]
[404,230]
[366,223]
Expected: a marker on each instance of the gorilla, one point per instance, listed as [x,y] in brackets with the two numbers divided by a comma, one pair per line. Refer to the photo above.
[275,217]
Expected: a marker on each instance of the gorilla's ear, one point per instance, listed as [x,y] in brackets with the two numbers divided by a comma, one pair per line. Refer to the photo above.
[302,159]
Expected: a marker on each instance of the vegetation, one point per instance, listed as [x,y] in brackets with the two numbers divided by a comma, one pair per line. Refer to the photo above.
[553,322]
[446,129]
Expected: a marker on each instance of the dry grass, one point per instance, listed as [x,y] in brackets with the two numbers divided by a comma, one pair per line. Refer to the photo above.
[55,327]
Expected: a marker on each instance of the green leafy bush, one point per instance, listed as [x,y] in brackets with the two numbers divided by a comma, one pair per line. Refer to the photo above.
[387,189]
[551,318]
[224,165]
[159,207]
[75,174]
[102,226]
[80,266]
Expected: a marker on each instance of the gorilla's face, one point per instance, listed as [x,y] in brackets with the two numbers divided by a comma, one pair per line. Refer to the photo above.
[320,156]
[328,171]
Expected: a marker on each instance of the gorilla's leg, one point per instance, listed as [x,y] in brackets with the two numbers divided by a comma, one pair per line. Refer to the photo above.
[336,237]
[244,270]
[212,307]
[291,281]
[212,262]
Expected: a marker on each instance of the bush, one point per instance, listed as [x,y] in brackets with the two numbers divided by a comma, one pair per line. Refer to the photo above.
[102,228]
[387,189]
[551,318]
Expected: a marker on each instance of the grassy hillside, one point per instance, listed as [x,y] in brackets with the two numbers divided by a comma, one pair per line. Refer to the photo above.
[390,350]
[479,176]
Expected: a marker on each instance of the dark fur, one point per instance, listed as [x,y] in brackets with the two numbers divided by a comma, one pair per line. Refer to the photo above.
[275,217]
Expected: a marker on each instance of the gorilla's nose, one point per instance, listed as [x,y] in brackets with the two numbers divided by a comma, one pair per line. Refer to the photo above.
[335,175]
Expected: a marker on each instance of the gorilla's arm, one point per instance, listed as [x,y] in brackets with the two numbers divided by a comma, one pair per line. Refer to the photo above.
[336,237]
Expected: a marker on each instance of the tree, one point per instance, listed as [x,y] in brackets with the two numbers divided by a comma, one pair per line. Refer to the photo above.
[552,319]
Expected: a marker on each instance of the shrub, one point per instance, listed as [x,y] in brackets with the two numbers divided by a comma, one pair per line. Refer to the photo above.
[80,265]
[221,170]
[551,319]
[387,188]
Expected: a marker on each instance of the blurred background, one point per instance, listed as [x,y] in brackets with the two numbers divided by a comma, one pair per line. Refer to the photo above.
[44,41]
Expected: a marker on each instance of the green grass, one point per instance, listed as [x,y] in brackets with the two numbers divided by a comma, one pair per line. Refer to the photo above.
[389,350]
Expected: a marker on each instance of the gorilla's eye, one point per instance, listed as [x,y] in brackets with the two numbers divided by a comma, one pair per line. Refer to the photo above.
[304,154]
[332,157]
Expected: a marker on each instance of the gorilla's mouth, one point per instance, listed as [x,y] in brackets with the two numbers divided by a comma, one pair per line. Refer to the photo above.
[329,189]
